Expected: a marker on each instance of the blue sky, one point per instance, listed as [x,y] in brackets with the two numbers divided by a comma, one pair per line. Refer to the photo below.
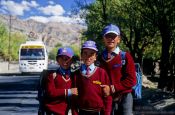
[41,10]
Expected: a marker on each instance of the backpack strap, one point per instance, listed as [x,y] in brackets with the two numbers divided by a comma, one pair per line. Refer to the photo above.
[123,61]
[123,56]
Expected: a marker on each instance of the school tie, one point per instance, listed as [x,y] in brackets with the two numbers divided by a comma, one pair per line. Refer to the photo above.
[66,75]
[109,56]
[87,71]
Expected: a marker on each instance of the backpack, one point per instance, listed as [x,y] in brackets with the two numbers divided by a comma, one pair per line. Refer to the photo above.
[41,89]
[137,89]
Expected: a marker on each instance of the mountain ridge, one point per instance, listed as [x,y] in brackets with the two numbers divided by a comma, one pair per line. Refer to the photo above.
[50,33]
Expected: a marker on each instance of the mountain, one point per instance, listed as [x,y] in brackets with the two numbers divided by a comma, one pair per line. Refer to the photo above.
[51,33]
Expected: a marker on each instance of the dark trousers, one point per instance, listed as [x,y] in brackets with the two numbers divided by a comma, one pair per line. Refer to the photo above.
[83,112]
[124,106]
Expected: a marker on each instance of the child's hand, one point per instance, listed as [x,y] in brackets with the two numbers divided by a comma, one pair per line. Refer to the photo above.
[74,91]
[106,90]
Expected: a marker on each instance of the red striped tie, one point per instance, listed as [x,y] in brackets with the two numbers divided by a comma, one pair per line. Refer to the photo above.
[66,75]
[87,71]
[109,56]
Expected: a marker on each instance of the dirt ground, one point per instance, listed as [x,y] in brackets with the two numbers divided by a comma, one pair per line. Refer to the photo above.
[154,101]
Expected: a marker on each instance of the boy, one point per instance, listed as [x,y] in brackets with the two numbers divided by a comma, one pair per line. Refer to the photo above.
[59,85]
[91,100]
[121,81]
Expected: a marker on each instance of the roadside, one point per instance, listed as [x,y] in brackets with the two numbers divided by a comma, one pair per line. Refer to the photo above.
[154,101]
[6,67]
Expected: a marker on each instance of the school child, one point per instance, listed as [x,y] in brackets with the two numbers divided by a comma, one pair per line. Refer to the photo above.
[122,76]
[59,89]
[91,100]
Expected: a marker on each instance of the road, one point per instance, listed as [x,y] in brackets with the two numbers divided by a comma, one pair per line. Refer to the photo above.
[18,95]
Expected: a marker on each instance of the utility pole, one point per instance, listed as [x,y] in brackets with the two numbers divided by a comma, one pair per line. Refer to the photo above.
[9,49]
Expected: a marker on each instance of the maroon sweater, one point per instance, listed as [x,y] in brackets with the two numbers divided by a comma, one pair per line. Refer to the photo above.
[120,83]
[90,95]
[57,94]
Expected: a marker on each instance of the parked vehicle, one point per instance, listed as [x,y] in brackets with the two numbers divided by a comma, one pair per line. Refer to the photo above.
[33,57]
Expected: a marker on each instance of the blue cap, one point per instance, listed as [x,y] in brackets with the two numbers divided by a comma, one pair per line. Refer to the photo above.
[67,51]
[111,29]
[90,45]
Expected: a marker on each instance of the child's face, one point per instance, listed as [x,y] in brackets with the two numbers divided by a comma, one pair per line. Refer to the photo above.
[88,56]
[64,61]
[111,40]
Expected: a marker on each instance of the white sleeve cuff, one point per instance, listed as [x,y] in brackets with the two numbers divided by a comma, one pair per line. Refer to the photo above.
[69,92]
[112,88]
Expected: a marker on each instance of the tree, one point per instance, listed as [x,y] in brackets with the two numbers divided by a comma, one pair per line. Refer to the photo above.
[16,40]
[53,52]
[143,23]
[137,34]
[3,40]
[161,14]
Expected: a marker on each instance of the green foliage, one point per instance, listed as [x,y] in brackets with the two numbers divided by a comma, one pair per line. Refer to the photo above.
[76,49]
[3,38]
[17,38]
[53,52]
[58,45]
[153,52]
[138,35]
[9,43]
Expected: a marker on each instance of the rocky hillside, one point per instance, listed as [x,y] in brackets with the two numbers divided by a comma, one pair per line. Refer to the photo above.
[50,33]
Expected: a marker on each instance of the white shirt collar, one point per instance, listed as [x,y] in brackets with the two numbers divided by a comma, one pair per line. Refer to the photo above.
[116,51]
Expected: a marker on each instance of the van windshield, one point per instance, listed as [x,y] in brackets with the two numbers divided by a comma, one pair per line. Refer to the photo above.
[28,54]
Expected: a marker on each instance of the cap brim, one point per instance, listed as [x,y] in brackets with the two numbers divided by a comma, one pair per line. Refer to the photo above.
[90,48]
[116,33]
[65,54]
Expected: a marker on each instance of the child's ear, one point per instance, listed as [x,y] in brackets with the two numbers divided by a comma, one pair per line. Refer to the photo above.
[118,40]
